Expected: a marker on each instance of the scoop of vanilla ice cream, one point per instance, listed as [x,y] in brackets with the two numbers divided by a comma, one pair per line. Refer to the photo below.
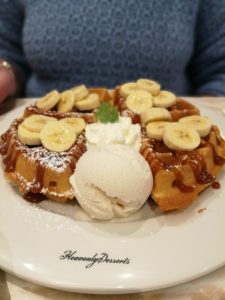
[114,181]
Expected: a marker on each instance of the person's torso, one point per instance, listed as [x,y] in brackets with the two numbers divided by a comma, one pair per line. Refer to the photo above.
[107,42]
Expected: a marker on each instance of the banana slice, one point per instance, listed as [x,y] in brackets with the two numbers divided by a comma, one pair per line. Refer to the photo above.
[35,123]
[155,114]
[164,99]
[127,88]
[77,123]
[27,137]
[149,85]
[80,92]
[139,101]
[155,130]
[203,125]
[178,136]
[89,103]
[58,136]
[48,101]
[66,102]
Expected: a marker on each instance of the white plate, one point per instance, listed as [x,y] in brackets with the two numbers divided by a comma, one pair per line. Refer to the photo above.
[151,251]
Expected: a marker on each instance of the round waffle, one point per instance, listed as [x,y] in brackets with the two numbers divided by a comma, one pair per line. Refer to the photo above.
[37,170]
[179,176]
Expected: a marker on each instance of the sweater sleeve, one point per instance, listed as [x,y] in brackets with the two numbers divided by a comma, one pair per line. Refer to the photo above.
[207,69]
[11,28]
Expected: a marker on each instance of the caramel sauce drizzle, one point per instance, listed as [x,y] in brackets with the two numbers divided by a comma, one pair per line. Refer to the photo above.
[38,185]
[34,197]
[3,148]
[32,109]
[159,157]
[215,185]
[11,154]
[156,153]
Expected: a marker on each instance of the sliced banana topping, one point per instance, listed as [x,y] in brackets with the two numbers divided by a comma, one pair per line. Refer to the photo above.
[77,123]
[58,136]
[80,92]
[66,102]
[155,114]
[127,88]
[139,101]
[104,94]
[27,137]
[164,99]
[202,124]
[150,86]
[48,101]
[178,136]
[155,130]
[35,123]
[91,102]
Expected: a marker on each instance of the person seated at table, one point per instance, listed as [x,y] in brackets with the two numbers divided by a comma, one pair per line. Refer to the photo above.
[47,45]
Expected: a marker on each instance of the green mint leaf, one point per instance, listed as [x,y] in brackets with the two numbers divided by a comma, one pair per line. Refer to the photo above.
[107,113]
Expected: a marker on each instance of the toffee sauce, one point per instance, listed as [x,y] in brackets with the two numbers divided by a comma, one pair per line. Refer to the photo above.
[156,154]
[215,185]
[32,109]
[34,197]
[11,148]
[159,157]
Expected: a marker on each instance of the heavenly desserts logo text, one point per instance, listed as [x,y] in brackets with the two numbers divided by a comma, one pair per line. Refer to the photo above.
[92,260]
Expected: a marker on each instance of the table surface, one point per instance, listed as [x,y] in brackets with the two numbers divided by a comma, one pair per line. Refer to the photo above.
[211,286]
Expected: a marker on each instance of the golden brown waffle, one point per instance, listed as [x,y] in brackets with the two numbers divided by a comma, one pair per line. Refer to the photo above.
[37,170]
[104,95]
[179,176]
[33,110]
[181,109]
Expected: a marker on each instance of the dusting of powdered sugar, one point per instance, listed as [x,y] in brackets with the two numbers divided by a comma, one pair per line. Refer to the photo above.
[28,185]
[25,184]
[52,160]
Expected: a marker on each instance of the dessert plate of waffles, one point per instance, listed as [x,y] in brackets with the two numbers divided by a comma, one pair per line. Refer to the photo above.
[112,191]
